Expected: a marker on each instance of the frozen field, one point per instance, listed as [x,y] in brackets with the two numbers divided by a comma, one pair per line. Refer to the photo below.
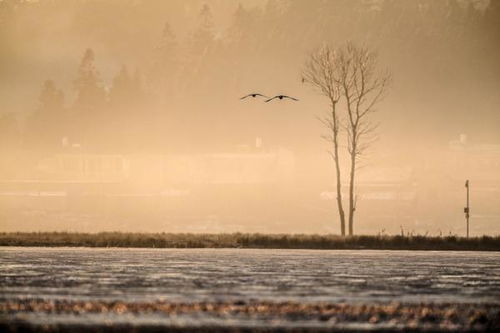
[236,277]
[215,274]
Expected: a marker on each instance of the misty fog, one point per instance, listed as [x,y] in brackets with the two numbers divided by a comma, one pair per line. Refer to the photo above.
[126,115]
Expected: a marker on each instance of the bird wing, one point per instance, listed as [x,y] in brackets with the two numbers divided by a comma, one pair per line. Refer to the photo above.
[290,98]
[262,95]
[254,94]
[270,99]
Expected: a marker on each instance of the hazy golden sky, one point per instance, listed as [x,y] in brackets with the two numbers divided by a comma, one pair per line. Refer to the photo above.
[185,64]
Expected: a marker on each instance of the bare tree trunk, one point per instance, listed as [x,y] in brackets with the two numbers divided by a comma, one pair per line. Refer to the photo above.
[335,132]
[352,204]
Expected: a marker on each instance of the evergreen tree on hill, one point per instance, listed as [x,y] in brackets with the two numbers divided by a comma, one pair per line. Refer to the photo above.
[89,125]
[47,126]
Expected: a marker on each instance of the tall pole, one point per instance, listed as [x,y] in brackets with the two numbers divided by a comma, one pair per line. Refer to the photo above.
[467,209]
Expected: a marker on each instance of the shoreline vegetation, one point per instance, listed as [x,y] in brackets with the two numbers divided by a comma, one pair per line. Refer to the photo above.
[241,316]
[250,241]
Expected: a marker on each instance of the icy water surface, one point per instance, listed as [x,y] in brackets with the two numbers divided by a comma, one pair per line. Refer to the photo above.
[188,275]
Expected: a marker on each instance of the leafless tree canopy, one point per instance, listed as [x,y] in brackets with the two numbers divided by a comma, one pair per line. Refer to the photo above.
[363,87]
[320,72]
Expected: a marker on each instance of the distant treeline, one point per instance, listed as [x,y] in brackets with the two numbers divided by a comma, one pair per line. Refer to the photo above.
[241,240]
[179,62]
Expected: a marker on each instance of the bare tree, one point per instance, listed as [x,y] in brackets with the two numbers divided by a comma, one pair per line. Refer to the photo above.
[320,72]
[349,72]
[362,87]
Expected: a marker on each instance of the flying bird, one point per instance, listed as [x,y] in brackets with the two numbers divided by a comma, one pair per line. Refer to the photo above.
[281,97]
[254,95]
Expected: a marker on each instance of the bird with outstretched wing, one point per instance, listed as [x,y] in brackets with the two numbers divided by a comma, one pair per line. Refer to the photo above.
[254,95]
[281,97]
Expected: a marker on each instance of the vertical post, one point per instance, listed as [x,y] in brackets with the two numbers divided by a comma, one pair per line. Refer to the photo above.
[467,209]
